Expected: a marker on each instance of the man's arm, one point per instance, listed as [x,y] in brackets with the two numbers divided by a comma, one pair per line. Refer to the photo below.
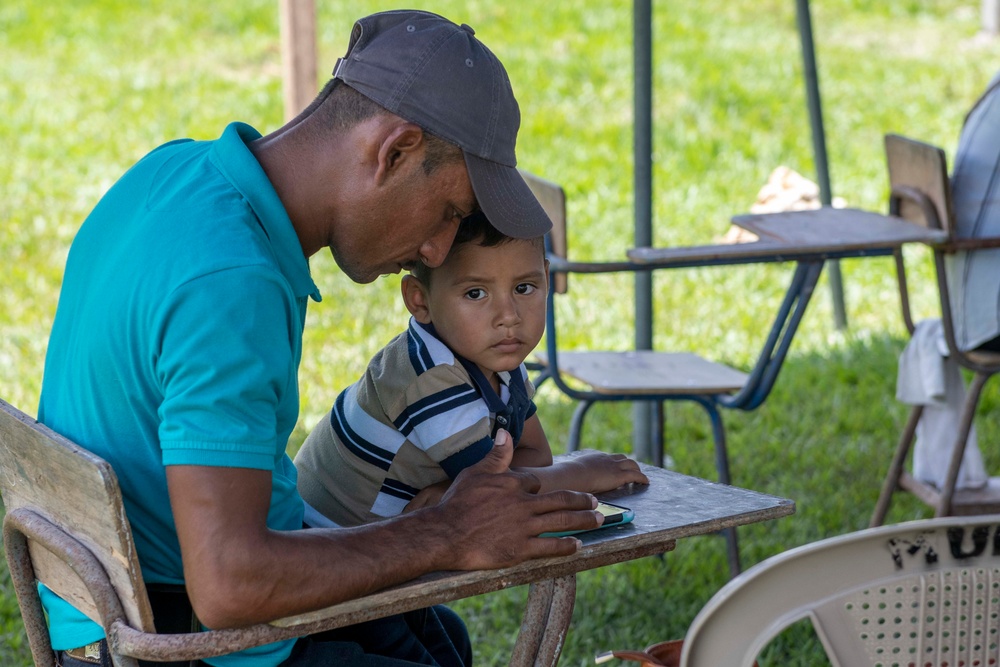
[239,572]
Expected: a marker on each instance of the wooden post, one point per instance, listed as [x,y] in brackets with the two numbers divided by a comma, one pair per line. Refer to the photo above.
[990,16]
[298,54]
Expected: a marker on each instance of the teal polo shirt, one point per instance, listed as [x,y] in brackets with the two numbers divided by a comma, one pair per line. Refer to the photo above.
[177,341]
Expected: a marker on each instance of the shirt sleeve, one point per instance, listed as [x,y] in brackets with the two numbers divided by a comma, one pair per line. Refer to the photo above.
[445,417]
[225,363]
[529,389]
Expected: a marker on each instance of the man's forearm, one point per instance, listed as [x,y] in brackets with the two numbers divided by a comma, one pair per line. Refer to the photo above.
[239,572]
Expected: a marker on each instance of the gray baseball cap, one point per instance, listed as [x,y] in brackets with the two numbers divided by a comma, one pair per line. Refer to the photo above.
[432,72]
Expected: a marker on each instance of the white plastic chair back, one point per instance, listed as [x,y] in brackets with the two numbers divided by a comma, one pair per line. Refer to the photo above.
[919,593]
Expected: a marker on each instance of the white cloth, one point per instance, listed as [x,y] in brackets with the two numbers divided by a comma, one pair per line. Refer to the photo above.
[929,377]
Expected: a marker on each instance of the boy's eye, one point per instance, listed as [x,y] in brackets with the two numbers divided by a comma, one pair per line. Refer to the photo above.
[524,288]
[475,294]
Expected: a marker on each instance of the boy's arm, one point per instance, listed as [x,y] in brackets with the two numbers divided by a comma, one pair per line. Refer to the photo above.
[592,472]
[532,449]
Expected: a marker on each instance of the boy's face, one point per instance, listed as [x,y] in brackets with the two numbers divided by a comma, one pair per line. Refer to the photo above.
[488,304]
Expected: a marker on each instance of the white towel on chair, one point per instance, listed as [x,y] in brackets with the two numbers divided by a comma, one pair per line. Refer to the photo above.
[929,377]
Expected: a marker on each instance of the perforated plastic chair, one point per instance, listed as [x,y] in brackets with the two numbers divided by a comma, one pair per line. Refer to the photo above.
[921,194]
[923,593]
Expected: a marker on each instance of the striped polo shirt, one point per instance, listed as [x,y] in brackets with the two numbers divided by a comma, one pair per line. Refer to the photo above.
[418,416]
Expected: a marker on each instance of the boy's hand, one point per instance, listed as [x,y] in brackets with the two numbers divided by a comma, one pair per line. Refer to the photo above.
[427,496]
[598,471]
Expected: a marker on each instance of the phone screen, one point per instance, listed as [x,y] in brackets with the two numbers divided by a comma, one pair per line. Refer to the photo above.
[613,515]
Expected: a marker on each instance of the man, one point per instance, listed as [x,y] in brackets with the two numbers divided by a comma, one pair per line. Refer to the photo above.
[975,186]
[176,343]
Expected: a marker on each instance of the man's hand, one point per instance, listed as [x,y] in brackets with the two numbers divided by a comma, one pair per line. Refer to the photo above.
[497,514]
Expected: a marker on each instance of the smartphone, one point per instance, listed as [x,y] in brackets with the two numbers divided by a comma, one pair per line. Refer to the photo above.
[613,515]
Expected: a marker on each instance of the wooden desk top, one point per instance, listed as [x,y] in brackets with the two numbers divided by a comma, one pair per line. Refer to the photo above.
[837,229]
[823,233]
[673,506]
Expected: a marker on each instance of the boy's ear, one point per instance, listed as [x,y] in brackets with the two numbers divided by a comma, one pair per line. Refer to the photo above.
[401,145]
[415,298]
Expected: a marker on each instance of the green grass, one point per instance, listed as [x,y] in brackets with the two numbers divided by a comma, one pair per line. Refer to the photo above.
[88,87]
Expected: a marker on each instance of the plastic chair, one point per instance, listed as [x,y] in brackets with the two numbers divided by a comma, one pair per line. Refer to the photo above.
[923,593]
[921,194]
[656,376]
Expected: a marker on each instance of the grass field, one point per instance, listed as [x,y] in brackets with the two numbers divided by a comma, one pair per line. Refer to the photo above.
[89,87]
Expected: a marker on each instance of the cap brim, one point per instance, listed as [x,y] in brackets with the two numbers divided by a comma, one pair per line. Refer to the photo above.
[506,199]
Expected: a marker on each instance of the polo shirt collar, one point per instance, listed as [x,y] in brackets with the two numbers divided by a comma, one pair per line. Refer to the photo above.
[493,400]
[233,157]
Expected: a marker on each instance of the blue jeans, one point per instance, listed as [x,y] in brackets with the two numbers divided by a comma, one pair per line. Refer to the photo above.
[435,636]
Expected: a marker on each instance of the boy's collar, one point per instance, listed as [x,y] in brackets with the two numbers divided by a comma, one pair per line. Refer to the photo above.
[479,379]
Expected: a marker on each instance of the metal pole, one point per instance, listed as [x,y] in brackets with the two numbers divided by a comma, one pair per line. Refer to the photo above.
[642,53]
[819,147]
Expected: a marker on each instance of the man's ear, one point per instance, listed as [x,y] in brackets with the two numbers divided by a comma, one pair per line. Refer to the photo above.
[402,146]
[415,298]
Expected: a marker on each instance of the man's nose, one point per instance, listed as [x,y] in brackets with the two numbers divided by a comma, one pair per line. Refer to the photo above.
[435,249]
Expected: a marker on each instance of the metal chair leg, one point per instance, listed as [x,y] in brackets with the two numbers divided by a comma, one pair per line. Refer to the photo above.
[659,437]
[896,467]
[556,626]
[545,622]
[722,469]
[958,450]
[576,425]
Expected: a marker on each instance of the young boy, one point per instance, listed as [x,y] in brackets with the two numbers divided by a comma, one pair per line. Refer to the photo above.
[432,400]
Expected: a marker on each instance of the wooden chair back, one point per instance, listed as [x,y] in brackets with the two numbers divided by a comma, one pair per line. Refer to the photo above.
[553,199]
[45,474]
[918,167]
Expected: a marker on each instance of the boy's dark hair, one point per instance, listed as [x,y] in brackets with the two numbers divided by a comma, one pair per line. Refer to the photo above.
[475,228]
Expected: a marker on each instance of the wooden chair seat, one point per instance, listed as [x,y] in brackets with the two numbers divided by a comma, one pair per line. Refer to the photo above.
[650,372]
[984,358]
[964,502]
